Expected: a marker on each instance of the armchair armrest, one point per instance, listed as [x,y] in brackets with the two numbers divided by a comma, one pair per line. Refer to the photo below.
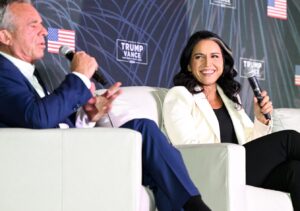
[70,169]
[218,170]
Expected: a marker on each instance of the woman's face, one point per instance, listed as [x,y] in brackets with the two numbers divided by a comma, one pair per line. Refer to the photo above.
[206,62]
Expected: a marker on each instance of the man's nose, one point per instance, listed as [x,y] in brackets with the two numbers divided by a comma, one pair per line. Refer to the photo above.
[44,31]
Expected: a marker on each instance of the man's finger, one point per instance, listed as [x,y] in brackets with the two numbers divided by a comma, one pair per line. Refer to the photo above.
[112,90]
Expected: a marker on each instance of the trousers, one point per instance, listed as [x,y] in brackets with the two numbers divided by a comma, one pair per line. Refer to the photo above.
[273,162]
[163,169]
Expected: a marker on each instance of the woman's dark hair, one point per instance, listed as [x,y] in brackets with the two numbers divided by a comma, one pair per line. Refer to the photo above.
[185,78]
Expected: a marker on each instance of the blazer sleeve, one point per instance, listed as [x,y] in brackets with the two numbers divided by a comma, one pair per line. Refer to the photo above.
[261,129]
[22,107]
[244,127]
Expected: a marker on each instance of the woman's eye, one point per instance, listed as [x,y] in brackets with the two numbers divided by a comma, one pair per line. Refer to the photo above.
[198,57]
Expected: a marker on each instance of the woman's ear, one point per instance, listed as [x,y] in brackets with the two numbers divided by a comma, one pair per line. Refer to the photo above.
[189,68]
[5,37]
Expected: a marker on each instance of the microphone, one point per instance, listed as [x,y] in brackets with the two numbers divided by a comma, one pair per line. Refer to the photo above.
[66,51]
[256,90]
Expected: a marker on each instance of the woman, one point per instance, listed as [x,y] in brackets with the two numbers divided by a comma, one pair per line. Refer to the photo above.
[204,107]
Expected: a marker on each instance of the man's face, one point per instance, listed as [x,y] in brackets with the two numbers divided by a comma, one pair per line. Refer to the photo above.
[28,35]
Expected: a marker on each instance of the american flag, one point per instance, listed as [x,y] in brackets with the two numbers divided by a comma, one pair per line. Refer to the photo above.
[59,37]
[277,9]
[297,75]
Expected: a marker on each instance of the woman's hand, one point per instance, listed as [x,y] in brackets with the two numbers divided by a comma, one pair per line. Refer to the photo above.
[263,108]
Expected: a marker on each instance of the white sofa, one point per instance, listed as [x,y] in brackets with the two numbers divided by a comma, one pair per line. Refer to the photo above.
[100,168]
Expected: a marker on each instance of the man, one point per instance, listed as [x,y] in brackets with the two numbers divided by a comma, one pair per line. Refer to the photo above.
[25,103]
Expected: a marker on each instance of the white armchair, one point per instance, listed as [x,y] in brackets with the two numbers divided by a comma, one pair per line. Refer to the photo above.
[218,170]
[70,170]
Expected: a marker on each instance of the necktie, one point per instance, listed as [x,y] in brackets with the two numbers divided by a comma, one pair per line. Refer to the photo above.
[40,82]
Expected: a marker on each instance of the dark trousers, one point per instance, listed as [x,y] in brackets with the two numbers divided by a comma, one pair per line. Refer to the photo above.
[273,162]
[163,169]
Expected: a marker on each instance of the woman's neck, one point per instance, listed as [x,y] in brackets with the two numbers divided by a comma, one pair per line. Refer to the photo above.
[213,96]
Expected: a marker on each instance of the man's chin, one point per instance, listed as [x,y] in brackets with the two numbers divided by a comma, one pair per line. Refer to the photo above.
[37,57]
[40,55]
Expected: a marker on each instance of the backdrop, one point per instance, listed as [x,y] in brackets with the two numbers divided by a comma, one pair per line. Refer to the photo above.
[139,42]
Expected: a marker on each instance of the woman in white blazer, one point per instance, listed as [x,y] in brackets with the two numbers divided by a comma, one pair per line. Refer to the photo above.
[204,107]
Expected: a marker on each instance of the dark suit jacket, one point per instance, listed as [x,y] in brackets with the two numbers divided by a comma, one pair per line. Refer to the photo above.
[21,106]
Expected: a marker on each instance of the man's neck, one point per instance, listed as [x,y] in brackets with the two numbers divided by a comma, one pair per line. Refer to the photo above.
[10,53]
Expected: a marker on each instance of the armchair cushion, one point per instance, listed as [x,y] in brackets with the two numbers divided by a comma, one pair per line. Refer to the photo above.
[135,102]
[286,118]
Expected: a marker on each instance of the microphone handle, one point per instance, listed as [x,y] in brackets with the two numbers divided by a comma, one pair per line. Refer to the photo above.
[257,93]
[99,78]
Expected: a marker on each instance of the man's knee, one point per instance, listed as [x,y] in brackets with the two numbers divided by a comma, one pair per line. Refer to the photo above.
[142,123]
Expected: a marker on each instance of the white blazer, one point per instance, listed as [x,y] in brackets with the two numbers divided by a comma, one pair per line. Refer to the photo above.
[190,119]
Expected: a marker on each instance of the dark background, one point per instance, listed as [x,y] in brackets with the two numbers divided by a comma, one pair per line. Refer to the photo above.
[165,25]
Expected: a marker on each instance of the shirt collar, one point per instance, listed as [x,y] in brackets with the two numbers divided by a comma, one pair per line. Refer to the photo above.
[25,68]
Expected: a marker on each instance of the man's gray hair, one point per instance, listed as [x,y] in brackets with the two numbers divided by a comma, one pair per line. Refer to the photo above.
[6,18]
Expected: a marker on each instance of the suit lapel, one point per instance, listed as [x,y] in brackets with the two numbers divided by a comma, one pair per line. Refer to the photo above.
[208,113]
[212,121]
[5,63]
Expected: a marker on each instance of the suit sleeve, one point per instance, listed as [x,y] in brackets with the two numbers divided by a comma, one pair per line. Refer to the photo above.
[21,106]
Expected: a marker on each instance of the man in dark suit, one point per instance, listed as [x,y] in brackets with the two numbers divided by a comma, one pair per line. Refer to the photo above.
[25,103]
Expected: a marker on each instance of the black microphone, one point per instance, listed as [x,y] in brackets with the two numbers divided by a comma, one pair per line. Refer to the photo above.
[69,53]
[257,91]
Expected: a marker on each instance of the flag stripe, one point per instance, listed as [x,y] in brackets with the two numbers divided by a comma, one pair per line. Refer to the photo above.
[297,75]
[59,37]
[52,44]
[277,9]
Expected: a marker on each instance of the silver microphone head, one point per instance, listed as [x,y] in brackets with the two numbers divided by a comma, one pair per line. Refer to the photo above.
[64,49]
[250,74]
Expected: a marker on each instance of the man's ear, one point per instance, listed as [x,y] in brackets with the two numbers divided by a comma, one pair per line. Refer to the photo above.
[5,37]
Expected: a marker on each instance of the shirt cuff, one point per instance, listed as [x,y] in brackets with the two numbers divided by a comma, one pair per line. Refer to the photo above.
[82,120]
[84,79]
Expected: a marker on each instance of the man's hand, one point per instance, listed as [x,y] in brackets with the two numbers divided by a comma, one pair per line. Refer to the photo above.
[84,64]
[264,107]
[100,105]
